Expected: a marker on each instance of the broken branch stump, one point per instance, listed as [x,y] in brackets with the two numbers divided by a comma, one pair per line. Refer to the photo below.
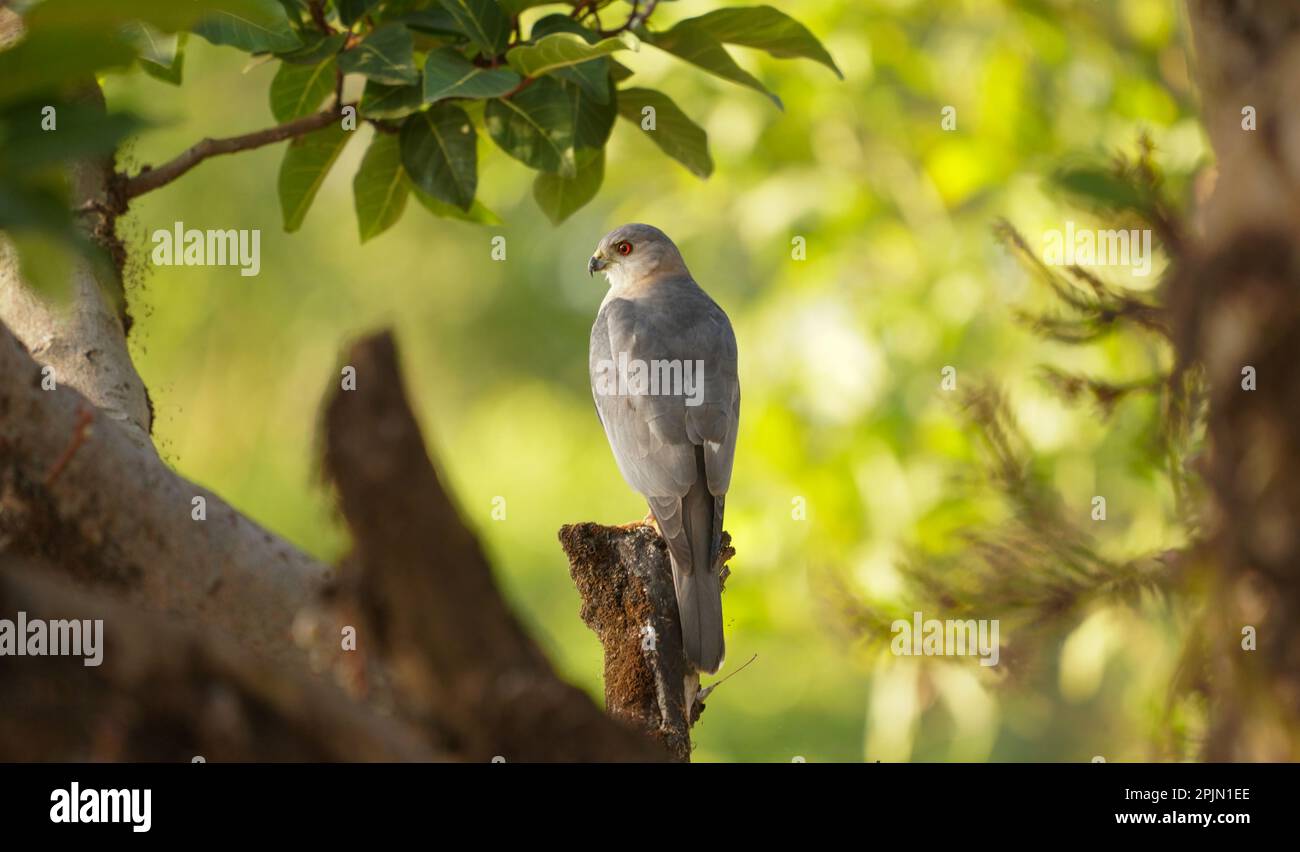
[626,583]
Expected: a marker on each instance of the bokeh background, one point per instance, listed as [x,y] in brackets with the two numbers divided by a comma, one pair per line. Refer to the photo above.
[841,354]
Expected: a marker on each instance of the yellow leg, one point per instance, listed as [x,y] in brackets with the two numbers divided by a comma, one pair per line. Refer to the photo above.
[647,521]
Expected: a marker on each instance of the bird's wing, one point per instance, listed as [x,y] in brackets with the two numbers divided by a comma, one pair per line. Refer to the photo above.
[716,420]
[647,433]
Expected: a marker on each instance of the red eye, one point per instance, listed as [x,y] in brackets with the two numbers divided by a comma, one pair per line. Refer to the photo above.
[624,248]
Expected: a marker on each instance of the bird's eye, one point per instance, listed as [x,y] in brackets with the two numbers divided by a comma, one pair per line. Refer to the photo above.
[624,248]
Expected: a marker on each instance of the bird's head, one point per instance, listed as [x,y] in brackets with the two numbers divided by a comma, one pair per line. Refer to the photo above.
[633,253]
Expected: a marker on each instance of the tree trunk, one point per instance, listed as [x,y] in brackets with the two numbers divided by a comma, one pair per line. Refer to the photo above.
[626,583]
[1237,309]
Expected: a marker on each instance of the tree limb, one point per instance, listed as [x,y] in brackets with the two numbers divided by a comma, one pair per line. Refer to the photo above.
[149,178]
[461,662]
[626,583]
[113,515]
[164,692]
[1235,306]
[84,341]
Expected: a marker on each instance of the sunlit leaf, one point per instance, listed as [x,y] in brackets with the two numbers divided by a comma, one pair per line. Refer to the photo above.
[593,121]
[439,152]
[767,29]
[476,213]
[380,187]
[315,51]
[299,90]
[560,50]
[560,197]
[383,101]
[253,28]
[674,132]
[351,11]
[447,74]
[161,55]
[694,44]
[482,21]
[306,164]
[592,75]
[386,56]
[535,126]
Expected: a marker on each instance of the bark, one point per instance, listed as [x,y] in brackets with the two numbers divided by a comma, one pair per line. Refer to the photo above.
[625,580]
[1237,305]
[79,493]
[81,485]
[83,341]
[169,693]
[460,661]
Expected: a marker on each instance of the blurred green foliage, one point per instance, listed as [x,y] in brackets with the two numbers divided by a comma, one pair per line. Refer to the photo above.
[841,353]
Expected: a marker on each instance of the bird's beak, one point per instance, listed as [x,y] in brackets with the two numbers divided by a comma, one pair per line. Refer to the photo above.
[595,265]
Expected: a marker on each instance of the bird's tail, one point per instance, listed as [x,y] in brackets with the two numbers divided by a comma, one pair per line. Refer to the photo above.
[699,591]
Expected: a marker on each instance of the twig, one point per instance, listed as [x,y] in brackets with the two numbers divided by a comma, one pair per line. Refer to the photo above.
[150,179]
[708,690]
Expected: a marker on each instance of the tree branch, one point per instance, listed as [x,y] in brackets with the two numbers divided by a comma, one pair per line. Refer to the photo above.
[116,517]
[461,662]
[166,692]
[1235,306]
[150,178]
[626,583]
[83,341]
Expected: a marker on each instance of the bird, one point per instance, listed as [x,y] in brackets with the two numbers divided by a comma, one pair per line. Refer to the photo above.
[674,439]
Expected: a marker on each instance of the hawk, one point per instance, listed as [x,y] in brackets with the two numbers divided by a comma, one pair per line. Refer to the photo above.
[663,375]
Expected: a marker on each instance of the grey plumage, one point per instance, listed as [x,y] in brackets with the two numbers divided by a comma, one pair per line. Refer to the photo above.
[678,455]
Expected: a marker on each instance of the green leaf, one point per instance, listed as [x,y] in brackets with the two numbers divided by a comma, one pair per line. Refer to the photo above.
[48,59]
[560,50]
[593,121]
[483,21]
[161,55]
[514,7]
[317,51]
[168,16]
[350,11]
[305,166]
[1100,187]
[618,71]
[386,56]
[439,152]
[593,75]
[81,131]
[255,28]
[298,90]
[535,126]
[694,44]
[674,132]
[477,213]
[560,197]
[434,21]
[767,29]
[380,186]
[383,101]
[447,74]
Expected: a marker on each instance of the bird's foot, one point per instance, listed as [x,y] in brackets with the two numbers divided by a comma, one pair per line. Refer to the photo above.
[647,521]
